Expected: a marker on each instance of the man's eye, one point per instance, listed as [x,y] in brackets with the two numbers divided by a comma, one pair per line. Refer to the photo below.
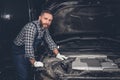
[45,18]
[50,20]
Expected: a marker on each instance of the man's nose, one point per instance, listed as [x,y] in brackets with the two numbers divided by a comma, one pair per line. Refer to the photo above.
[48,22]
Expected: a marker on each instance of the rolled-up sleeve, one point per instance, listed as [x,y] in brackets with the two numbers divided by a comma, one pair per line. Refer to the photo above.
[29,39]
[49,40]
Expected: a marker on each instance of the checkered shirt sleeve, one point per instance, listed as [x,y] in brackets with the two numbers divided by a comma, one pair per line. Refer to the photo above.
[49,40]
[29,39]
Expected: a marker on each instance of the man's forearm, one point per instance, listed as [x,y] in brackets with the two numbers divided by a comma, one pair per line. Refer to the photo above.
[32,60]
[55,51]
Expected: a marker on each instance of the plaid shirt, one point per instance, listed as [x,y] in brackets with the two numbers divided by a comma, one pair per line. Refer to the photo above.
[27,35]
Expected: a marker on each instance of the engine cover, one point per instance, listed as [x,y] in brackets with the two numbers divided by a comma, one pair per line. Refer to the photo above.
[93,62]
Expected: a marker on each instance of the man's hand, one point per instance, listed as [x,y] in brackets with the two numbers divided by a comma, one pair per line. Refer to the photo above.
[38,64]
[62,57]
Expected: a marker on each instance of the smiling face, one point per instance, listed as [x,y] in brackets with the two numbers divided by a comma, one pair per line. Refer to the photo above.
[45,19]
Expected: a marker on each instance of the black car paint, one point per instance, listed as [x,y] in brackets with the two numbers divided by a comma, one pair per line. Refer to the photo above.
[85,16]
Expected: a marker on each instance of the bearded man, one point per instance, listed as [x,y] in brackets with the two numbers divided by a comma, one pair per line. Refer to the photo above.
[32,34]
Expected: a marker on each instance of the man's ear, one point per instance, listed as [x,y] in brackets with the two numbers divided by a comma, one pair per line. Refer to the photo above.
[39,17]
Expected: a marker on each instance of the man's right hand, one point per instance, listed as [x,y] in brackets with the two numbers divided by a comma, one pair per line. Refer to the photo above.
[38,64]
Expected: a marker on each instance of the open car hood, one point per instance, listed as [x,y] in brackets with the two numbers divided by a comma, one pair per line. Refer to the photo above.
[74,16]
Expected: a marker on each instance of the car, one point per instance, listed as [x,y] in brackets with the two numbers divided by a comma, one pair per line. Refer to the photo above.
[87,32]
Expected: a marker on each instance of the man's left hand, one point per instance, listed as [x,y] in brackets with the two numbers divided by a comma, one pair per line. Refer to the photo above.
[62,57]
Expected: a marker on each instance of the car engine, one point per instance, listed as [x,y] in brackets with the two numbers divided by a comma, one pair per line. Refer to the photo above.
[81,66]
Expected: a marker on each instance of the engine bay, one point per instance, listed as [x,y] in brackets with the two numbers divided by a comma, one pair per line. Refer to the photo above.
[82,66]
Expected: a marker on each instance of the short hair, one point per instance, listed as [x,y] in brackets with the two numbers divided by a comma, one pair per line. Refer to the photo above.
[46,11]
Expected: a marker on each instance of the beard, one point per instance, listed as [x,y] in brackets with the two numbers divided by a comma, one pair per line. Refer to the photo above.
[44,25]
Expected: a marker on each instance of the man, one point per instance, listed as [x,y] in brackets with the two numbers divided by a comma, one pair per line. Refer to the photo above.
[31,35]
